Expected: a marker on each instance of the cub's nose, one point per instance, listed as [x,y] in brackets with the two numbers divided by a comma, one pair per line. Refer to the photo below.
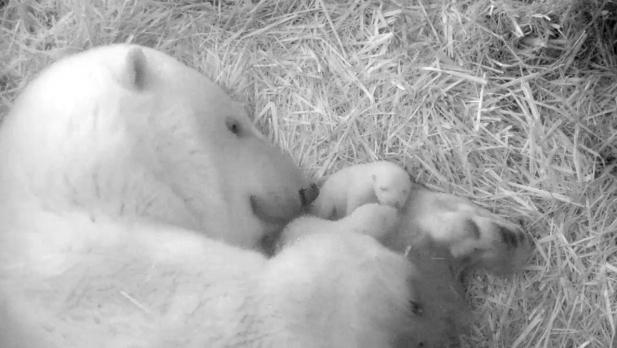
[308,194]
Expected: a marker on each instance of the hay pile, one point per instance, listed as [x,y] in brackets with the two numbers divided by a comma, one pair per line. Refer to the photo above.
[510,103]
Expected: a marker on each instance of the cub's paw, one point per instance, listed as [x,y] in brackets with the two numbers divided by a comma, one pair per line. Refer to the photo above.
[473,235]
[372,219]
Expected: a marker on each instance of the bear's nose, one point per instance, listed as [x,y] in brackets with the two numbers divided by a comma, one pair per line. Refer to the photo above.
[308,194]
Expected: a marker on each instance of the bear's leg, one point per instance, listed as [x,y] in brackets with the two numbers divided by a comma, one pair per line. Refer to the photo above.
[337,289]
[473,235]
[431,321]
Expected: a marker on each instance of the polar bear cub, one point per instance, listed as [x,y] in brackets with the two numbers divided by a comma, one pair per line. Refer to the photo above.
[380,182]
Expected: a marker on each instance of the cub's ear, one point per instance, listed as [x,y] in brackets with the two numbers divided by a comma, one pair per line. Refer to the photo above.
[133,73]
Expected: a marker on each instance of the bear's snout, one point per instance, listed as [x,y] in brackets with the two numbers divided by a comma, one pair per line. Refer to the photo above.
[308,194]
[279,208]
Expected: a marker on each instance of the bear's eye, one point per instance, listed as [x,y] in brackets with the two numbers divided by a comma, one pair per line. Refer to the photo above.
[233,126]
[416,308]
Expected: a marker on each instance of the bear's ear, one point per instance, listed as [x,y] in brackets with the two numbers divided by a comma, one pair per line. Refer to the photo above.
[134,70]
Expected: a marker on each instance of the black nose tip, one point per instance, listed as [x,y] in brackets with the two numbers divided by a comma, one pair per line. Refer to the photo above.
[308,194]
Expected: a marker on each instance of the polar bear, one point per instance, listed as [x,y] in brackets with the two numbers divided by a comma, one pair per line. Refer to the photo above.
[135,196]
[375,182]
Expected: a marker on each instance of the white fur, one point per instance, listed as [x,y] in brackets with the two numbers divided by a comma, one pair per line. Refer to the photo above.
[371,219]
[376,182]
[129,213]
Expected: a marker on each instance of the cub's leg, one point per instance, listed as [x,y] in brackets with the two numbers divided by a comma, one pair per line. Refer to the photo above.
[473,235]
[334,203]
[357,196]
[330,202]
[323,208]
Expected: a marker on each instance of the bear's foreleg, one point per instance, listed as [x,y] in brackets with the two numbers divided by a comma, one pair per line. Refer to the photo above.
[473,235]
[337,289]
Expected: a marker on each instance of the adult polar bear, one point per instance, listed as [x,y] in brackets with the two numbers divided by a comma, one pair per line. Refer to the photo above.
[134,192]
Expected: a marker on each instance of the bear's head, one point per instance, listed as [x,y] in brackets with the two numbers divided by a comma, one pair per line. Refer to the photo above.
[392,185]
[129,132]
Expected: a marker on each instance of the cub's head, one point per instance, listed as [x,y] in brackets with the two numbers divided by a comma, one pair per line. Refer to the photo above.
[130,132]
[391,184]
